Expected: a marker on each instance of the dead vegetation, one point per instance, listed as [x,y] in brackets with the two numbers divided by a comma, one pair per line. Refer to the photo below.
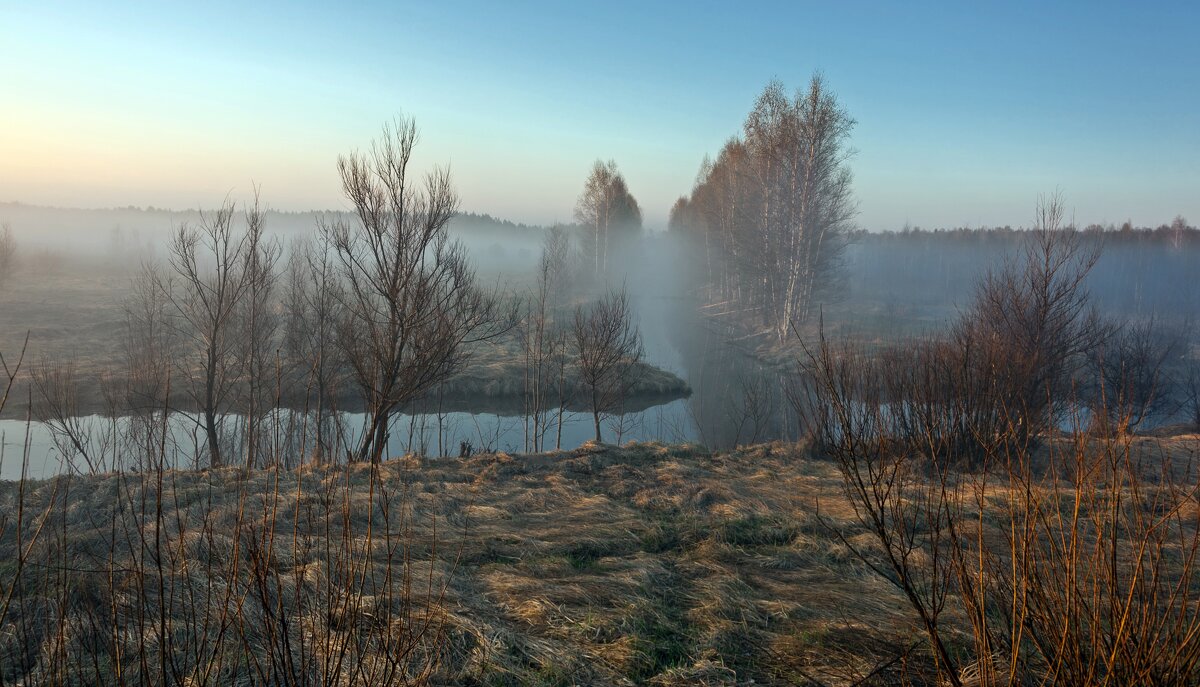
[1029,555]
[648,564]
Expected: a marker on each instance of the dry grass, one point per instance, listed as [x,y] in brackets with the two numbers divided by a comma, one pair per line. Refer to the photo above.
[648,564]
[645,564]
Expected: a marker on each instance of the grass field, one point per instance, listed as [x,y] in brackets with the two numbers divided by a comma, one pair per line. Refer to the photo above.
[647,564]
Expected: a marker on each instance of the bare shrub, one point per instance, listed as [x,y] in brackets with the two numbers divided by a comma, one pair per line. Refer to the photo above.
[1070,564]
[1058,560]
[881,445]
[1191,392]
[1031,325]
[1134,374]
[923,397]
[81,446]
[12,369]
[255,577]
[21,523]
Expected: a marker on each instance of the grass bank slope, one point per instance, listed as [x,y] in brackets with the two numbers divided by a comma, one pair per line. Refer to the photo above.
[645,564]
[648,564]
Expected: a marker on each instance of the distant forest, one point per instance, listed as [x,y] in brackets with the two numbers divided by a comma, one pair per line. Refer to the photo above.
[1141,271]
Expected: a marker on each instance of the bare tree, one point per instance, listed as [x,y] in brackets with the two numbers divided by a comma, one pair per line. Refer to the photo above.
[140,395]
[148,343]
[1133,372]
[412,304]
[214,269]
[557,264]
[608,348]
[816,202]
[774,210]
[257,326]
[540,334]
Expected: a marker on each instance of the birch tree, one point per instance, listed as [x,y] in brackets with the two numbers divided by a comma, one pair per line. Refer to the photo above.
[608,213]
[774,210]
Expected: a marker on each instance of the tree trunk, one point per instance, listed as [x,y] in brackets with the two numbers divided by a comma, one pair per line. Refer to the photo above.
[210,414]
[321,449]
[381,437]
[374,440]
[214,441]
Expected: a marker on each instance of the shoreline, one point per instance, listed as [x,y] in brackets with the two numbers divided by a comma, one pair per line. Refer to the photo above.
[467,392]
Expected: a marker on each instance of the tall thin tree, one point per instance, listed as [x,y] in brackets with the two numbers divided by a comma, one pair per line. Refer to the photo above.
[211,271]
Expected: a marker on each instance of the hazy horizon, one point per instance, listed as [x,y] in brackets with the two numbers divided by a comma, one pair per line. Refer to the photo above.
[963,115]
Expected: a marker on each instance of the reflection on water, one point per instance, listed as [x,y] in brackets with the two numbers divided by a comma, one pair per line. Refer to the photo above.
[112,443]
[735,399]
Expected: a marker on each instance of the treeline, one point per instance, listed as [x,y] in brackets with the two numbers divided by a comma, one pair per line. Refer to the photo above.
[1140,271]
[466,218]
[1177,234]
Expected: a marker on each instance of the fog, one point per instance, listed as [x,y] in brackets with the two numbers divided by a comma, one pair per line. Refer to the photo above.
[76,268]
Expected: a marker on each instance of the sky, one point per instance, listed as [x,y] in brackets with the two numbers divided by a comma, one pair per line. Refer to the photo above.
[965,111]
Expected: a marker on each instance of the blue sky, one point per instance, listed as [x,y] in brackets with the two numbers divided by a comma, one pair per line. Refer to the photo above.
[966,111]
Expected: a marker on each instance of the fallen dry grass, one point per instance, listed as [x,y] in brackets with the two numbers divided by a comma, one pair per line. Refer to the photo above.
[647,564]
